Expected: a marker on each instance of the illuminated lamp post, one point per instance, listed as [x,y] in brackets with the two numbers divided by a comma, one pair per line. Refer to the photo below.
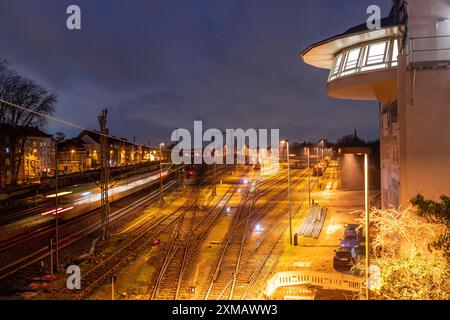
[289,189]
[366,151]
[161,183]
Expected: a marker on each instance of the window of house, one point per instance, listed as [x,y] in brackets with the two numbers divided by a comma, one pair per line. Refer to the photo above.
[351,61]
[371,56]
[336,67]
[376,53]
[395,53]
[375,56]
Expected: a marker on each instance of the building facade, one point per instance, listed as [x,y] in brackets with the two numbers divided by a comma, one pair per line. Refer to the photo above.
[404,65]
[26,152]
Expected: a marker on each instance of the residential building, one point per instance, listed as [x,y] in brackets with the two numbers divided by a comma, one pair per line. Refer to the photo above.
[73,157]
[26,152]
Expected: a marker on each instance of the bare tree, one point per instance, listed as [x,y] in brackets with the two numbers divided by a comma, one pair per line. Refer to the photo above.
[26,93]
[410,268]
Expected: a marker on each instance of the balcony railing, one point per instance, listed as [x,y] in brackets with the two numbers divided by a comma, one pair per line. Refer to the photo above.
[429,52]
[366,57]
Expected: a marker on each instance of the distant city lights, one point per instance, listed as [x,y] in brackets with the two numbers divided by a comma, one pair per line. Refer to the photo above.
[53,212]
[60,194]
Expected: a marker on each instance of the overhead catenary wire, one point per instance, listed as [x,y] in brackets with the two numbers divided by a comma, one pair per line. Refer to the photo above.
[71,124]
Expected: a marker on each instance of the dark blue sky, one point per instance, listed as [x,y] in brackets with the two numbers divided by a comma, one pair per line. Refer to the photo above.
[158,65]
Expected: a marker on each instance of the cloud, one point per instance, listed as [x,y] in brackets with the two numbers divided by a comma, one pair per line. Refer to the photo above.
[159,65]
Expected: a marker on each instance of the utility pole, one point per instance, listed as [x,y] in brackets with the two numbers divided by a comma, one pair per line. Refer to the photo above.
[317,162]
[214,188]
[289,189]
[105,174]
[309,178]
[56,208]
[161,182]
[366,211]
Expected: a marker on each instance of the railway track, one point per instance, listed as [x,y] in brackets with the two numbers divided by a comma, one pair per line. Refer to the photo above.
[44,251]
[143,237]
[173,276]
[239,265]
[229,259]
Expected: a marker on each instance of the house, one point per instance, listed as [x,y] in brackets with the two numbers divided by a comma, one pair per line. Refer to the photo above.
[26,154]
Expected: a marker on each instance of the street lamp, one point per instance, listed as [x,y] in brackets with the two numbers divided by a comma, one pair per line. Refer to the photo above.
[366,152]
[161,183]
[323,146]
[366,211]
[309,176]
[317,162]
[289,190]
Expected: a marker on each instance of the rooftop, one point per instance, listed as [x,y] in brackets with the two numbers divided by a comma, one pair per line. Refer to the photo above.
[321,54]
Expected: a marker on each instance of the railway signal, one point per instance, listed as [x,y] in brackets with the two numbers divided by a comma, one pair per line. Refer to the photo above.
[156,243]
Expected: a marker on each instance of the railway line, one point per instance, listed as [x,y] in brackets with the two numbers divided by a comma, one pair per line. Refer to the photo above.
[173,275]
[142,237]
[43,252]
[237,270]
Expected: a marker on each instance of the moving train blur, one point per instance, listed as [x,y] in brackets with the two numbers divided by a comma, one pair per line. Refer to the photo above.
[77,200]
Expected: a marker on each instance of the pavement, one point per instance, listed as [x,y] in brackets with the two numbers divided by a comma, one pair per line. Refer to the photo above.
[344,207]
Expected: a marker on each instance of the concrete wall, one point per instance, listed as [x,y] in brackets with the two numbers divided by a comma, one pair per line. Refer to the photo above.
[390,155]
[430,18]
[424,108]
[424,15]
[352,172]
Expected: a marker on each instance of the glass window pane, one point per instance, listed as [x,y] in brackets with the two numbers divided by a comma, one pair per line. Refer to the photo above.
[395,51]
[376,53]
[373,67]
[352,59]
[336,67]
[336,64]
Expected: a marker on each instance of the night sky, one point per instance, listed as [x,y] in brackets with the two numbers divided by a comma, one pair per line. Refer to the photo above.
[158,65]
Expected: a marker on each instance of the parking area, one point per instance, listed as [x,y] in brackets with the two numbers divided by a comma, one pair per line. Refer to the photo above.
[316,255]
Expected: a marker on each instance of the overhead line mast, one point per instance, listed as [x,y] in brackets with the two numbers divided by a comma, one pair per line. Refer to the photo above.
[105,175]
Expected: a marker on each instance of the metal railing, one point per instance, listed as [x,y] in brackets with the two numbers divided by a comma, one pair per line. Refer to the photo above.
[429,52]
[330,281]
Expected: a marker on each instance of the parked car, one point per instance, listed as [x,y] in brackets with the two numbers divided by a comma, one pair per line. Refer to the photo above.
[350,239]
[358,229]
[352,227]
[345,258]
